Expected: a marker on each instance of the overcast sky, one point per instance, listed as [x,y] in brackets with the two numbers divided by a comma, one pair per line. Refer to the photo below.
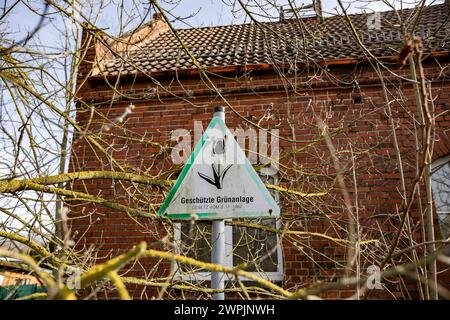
[205,12]
[217,12]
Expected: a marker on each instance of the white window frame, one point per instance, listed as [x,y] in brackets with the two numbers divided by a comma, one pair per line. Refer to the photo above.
[206,276]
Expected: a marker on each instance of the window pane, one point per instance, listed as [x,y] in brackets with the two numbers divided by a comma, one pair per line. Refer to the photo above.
[195,242]
[258,248]
[441,194]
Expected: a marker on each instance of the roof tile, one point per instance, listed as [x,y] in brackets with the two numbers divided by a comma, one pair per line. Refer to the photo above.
[281,42]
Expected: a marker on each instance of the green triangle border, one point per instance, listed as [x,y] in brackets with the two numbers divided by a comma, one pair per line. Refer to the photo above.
[211,215]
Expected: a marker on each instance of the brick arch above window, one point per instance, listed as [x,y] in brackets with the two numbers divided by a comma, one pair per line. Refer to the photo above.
[442,143]
[439,162]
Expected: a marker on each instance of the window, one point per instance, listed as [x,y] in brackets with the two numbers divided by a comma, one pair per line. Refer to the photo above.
[441,193]
[261,249]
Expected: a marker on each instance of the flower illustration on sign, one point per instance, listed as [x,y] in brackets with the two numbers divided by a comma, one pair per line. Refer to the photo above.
[218,175]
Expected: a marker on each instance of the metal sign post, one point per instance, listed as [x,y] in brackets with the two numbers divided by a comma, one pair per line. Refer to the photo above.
[218,257]
[218,240]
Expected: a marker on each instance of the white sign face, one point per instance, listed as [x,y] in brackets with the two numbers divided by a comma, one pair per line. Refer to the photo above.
[218,182]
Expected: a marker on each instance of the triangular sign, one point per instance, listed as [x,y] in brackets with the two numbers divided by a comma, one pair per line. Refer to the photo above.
[218,182]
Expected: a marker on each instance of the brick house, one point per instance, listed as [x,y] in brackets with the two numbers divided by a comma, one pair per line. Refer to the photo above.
[282,75]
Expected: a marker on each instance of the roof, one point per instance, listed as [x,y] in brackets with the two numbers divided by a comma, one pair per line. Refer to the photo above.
[283,42]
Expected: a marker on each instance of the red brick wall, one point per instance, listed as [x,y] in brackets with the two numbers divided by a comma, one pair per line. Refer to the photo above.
[352,101]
